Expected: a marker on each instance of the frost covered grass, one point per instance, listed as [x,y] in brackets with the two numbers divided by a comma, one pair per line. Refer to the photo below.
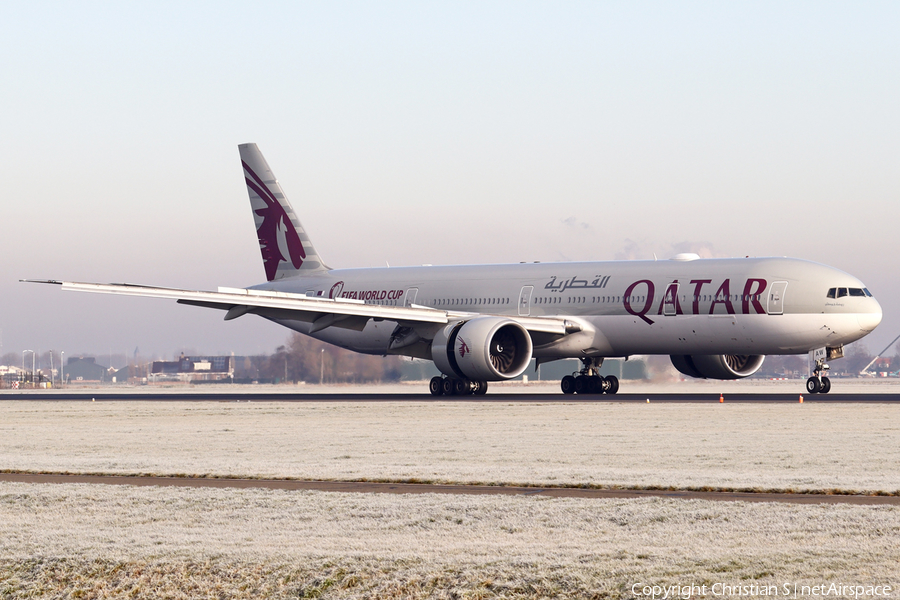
[69,540]
[792,447]
[83,541]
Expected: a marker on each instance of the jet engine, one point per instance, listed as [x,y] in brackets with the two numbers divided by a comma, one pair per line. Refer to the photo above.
[482,349]
[718,366]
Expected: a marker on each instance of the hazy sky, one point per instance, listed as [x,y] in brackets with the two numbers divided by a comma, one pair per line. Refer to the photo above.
[429,132]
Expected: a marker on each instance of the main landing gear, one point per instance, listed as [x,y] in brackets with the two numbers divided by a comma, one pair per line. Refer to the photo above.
[448,386]
[588,380]
[818,383]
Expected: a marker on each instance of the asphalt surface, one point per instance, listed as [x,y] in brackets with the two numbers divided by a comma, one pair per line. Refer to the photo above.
[362,487]
[499,396]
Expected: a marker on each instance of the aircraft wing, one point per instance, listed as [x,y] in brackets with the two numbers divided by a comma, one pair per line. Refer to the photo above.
[321,312]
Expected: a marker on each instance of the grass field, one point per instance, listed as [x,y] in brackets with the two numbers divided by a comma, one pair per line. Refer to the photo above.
[736,446]
[82,541]
[112,541]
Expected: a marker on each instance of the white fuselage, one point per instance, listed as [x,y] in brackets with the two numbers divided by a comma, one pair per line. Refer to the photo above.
[701,306]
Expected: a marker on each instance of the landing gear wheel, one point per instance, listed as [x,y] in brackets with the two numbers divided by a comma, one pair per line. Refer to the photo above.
[567,384]
[613,382]
[818,383]
[813,386]
[480,388]
[596,384]
[436,386]
[461,387]
[582,384]
[448,387]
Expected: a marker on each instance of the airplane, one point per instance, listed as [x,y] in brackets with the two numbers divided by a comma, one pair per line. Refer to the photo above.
[715,318]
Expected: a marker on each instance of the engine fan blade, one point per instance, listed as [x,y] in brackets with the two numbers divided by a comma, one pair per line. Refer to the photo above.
[503,351]
[736,362]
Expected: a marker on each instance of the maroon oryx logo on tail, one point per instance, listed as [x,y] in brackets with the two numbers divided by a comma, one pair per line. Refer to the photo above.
[276,233]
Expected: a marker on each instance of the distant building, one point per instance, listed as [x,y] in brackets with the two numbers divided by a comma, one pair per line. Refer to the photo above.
[193,368]
[10,375]
[85,369]
[131,374]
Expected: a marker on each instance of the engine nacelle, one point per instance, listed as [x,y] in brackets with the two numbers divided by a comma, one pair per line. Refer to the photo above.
[482,349]
[718,366]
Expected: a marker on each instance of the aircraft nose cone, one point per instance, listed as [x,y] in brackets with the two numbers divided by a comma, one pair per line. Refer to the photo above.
[870,320]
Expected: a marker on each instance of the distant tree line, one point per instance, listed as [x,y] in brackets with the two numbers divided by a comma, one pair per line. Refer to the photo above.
[856,357]
[306,359]
[303,358]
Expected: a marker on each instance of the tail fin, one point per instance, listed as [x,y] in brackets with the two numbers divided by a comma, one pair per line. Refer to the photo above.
[286,249]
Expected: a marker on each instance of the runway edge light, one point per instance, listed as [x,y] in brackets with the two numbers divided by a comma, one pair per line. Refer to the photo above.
[721,398]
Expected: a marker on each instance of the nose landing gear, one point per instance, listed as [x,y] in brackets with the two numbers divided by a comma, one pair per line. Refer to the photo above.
[589,381]
[818,383]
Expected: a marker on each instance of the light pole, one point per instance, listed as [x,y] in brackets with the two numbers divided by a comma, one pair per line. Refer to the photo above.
[62,368]
[51,368]
[32,364]
[322,367]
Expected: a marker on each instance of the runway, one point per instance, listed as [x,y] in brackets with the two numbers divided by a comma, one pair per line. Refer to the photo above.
[500,396]
[362,487]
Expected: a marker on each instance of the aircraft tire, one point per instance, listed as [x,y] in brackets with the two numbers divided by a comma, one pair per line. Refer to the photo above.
[596,384]
[567,385]
[826,386]
[448,388]
[582,384]
[613,382]
[461,387]
[481,388]
[436,386]
[812,386]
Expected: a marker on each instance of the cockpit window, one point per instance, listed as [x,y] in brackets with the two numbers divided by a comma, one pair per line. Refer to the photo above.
[855,292]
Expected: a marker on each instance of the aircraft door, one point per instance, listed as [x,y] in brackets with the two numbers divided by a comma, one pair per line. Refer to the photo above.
[525,300]
[410,297]
[776,298]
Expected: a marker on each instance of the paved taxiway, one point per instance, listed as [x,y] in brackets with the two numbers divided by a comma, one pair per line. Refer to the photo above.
[424,488]
[315,396]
